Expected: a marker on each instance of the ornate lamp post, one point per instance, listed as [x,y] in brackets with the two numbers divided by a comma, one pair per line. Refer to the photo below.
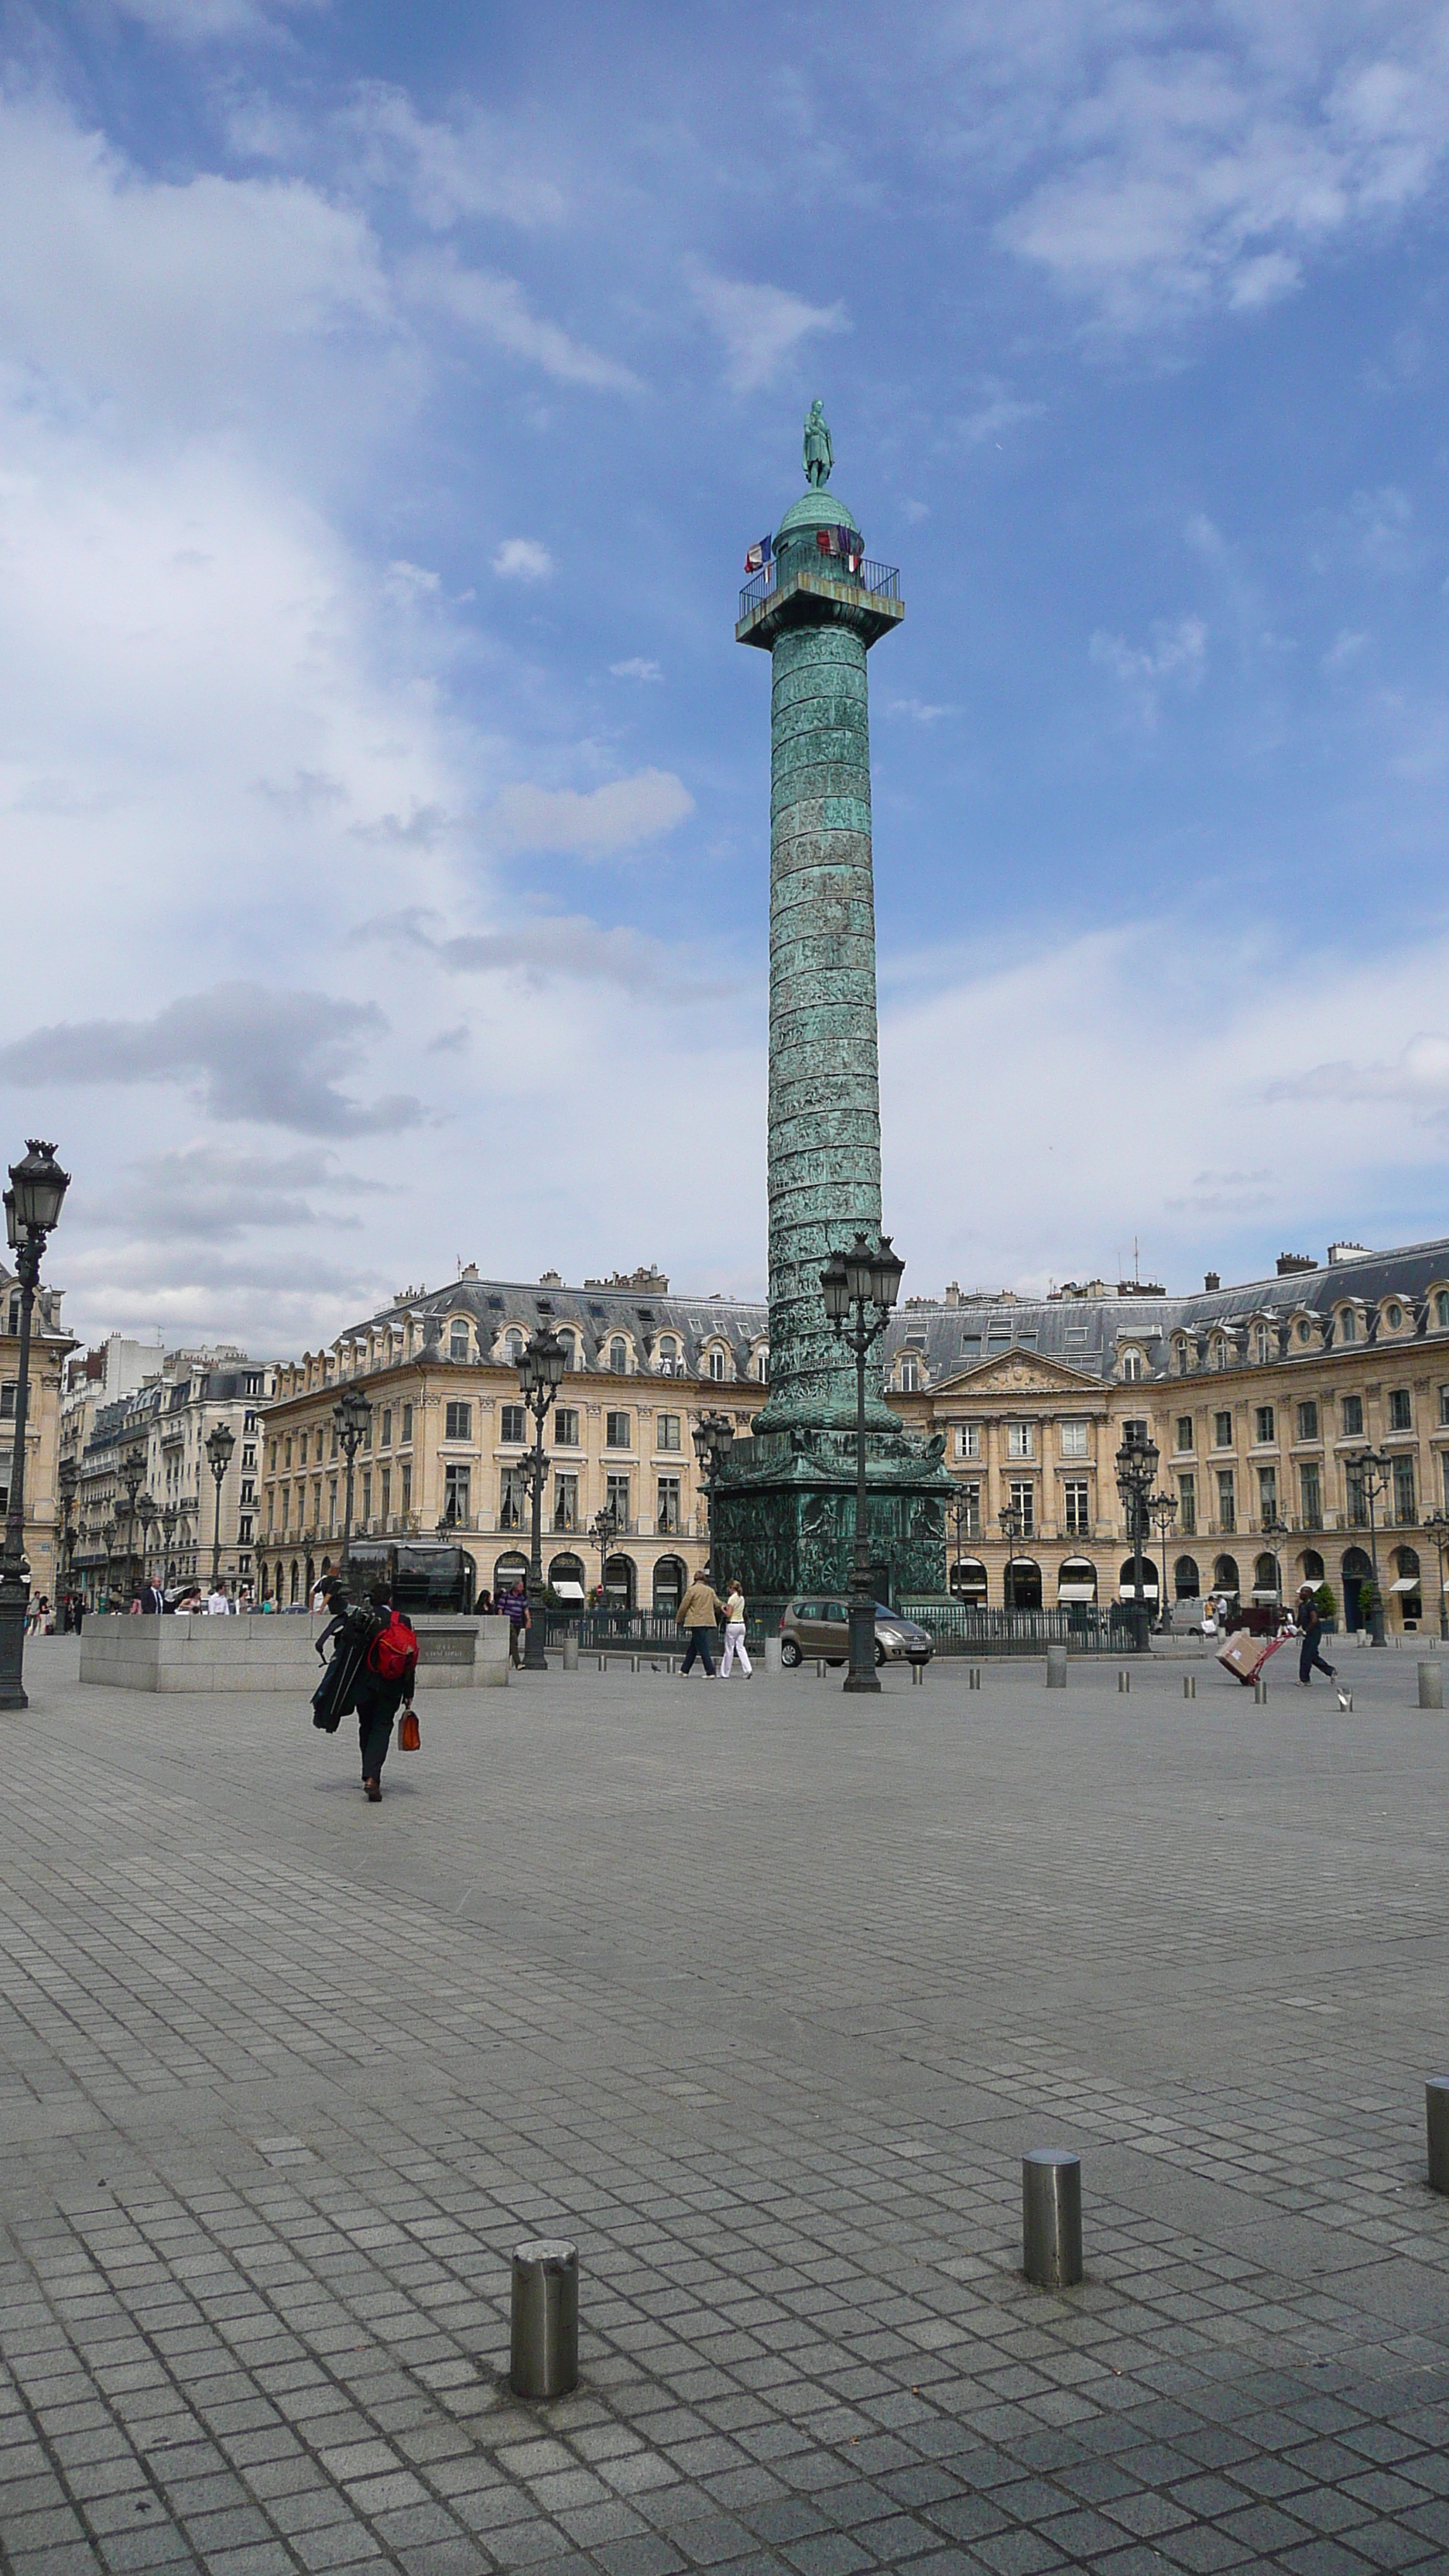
[1372,1471]
[1011,1522]
[220,1442]
[168,1533]
[108,1541]
[540,1372]
[147,1515]
[32,1210]
[714,1438]
[352,1414]
[67,1479]
[133,1470]
[603,1530]
[1136,1468]
[860,1287]
[962,1512]
[1273,1529]
[1436,1526]
[1162,1512]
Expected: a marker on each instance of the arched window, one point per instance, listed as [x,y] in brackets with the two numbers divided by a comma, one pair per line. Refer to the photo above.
[1225,1574]
[1132,1364]
[762,1367]
[1393,1316]
[1127,1580]
[908,1375]
[509,1570]
[296,1578]
[1305,1329]
[968,1580]
[716,1364]
[1260,1343]
[574,1348]
[1186,1581]
[457,1339]
[670,1580]
[1182,1358]
[619,1356]
[1348,1325]
[1266,1578]
[1310,1565]
[1219,1353]
[1076,1580]
[668,1354]
[512,1346]
[1441,1309]
[566,1569]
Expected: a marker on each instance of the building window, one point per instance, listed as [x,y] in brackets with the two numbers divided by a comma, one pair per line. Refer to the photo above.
[407,1489]
[386,1482]
[244,1530]
[1395,1318]
[566,1426]
[1308,1421]
[1184,1431]
[1132,1364]
[331,1504]
[716,1365]
[1074,1439]
[1441,1310]
[512,1422]
[762,1367]
[384,1437]
[458,1421]
[1404,1512]
[565,1502]
[1074,1503]
[616,1431]
[287,1455]
[302,1450]
[8,1393]
[1305,1329]
[968,1435]
[1222,1431]
[1357,1497]
[1187,1506]
[1227,1506]
[458,1339]
[1219,1355]
[513,1498]
[1023,1503]
[1018,1439]
[1400,1416]
[1260,1342]
[668,1513]
[1263,1422]
[970,1496]
[666,1431]
[407,1424]
[908,1376]
[1353,1417]
[332,1452]
[1267,1495]
[512,1347]
[668,1355]
[1310,1498]
[366,1496]
[616,1499]
[1347,1326]
[619,1356]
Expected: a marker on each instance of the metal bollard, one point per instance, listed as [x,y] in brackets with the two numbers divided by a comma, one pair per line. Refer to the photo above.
[1056,1668]
[772,1655]
[1436,2116]
[633,1663]
[1189,1685]
[1260,1691]
[1124,1680]
[1431,1685]
[918,1672]
[820,1668]
[1051,2217]
[543,2359]
[571,1650]
[973,1677]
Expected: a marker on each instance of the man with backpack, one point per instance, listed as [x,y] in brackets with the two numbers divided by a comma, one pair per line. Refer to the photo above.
[386,1683]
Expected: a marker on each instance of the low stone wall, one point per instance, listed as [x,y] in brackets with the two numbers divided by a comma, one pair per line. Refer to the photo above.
[256,1653]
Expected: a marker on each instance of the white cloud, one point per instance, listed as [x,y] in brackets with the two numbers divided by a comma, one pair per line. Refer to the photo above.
[497,310]
[594,824]
[1178,652]
[919,710]
[760,325]
[522,559]
[206,22]
[636,668]
[450,171]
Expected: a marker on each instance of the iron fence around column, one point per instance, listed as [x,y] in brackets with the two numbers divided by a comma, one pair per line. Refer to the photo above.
[958,1629]
[653,1629]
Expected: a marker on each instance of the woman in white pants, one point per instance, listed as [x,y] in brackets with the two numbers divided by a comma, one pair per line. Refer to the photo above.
[734,1631]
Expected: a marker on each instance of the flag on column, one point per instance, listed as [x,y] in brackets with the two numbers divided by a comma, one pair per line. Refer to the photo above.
[759,554]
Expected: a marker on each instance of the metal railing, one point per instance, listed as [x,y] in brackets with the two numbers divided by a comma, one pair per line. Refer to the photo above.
[1084,1629]
[875,580]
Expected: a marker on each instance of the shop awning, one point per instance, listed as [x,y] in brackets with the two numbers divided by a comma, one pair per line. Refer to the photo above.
[1078,1591]
[1405,1583]
[567,1591]
[1268,1594]
[1128,1591]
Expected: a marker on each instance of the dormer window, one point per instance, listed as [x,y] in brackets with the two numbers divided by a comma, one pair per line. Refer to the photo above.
[619,1356]
[668,1354]
[762,1367]
[1441,1310]
[1219,1354]
[1393,1316]
[908,1375]
[512,1347]
[1132,1364]
[717,1364]
[457,1339]
[1348,1325]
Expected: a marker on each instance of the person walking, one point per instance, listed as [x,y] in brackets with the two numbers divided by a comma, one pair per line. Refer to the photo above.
[734,1644]
[1310,1625]
[388,1679]
[700,1613]
[218,1605]
[516,1611]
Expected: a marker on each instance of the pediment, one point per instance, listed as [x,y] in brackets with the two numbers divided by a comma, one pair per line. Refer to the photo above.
[1019,1372]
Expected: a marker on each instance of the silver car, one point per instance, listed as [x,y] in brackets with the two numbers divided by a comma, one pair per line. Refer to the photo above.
[820,1628]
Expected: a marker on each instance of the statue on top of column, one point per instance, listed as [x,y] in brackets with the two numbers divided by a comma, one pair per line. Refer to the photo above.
[819,453]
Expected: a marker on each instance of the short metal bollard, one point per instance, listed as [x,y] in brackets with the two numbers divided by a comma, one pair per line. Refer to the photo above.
[571,1650]
[1056,1668]
[973,1677]
[1436,2116]
[1051,2217]
[1431,1685]
[1260,1691]
[918,1672]
[772,1655]
[543,2359]
[1189,1685]
[633,1663]
[1124,1680]
[820,1668]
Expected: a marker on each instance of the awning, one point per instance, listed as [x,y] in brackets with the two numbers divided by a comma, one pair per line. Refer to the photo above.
[1079,1591]
[568,1591]
[1406,1583]
[1128,1591]
[1267,1594]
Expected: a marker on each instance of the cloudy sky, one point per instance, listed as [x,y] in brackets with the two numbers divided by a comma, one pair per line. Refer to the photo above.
[387,397]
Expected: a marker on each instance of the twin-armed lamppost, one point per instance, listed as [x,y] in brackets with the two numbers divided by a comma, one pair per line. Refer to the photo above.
[147,1515]
[352,1416]
[604,1531]
[168,1533]
[32,1211]
[1435,1525]
[220,1442]
[133,1471]
[714,1438]
[860,1288]
[540,1375]
[1162,1512]
[67,1482]
[108,1542]
[1372,1471]
[1136,1467]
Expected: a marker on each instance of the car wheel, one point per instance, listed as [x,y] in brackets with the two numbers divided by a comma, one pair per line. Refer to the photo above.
[789,1653]
[879,1652]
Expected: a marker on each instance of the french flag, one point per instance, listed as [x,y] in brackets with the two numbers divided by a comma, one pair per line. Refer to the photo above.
[759,555]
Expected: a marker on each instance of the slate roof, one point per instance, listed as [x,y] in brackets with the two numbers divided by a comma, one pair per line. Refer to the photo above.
[596,1313]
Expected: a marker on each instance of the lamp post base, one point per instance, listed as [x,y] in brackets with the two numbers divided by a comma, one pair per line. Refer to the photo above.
[862,1675]
[14,1603]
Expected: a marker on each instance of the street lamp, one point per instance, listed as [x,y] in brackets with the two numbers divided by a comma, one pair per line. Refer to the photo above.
[1436,1524]
[146,1514]
[860,1287]
[108,1541]
[1273,1529]
[603,1530]
[714,1438]
[540,1374]
[1162,1512]
[1012,1522]
[1136,1467]
[168,1533]
[220,1442]
[67,1480]
[133,1470]
[1372,1470]
[962,1508]
[32,1210]
[352,1415]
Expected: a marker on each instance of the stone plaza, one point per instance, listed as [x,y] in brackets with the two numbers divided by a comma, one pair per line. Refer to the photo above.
[758,1993]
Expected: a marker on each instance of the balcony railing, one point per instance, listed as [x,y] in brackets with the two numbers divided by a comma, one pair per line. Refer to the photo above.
[875,580]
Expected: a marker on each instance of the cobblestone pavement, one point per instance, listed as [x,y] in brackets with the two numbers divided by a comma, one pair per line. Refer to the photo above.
[759,1993]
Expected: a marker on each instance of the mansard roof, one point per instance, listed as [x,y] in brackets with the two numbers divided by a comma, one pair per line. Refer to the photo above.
[598,1313]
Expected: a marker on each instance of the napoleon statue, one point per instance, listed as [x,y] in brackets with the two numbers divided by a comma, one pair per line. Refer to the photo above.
[819,454]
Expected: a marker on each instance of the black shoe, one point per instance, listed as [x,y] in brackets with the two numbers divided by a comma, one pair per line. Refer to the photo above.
[374,1790]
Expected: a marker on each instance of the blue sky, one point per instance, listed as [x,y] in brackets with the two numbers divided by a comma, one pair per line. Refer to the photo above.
[387,398]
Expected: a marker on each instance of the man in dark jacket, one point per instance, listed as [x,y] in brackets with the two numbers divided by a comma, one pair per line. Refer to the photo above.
[379,1696]
[1311,1628]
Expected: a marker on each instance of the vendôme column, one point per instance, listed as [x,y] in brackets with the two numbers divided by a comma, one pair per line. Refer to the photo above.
[817,606]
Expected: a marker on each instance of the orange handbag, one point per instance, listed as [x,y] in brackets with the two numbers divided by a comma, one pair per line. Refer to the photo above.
[409,1734]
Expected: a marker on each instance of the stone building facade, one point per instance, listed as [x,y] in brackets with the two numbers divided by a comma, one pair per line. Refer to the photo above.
[50,1345]
[166,1422]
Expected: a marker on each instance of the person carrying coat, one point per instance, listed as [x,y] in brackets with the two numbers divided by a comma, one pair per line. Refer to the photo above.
[700,1612]
[382,1690]
[734,1632]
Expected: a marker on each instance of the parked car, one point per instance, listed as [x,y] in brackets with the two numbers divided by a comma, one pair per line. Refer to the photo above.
[822,1628]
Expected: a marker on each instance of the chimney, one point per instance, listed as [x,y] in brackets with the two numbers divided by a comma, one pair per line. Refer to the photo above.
[1212,1282]
[1289,1263]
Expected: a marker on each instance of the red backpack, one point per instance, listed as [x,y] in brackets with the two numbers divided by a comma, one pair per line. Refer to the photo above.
[392,1653]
